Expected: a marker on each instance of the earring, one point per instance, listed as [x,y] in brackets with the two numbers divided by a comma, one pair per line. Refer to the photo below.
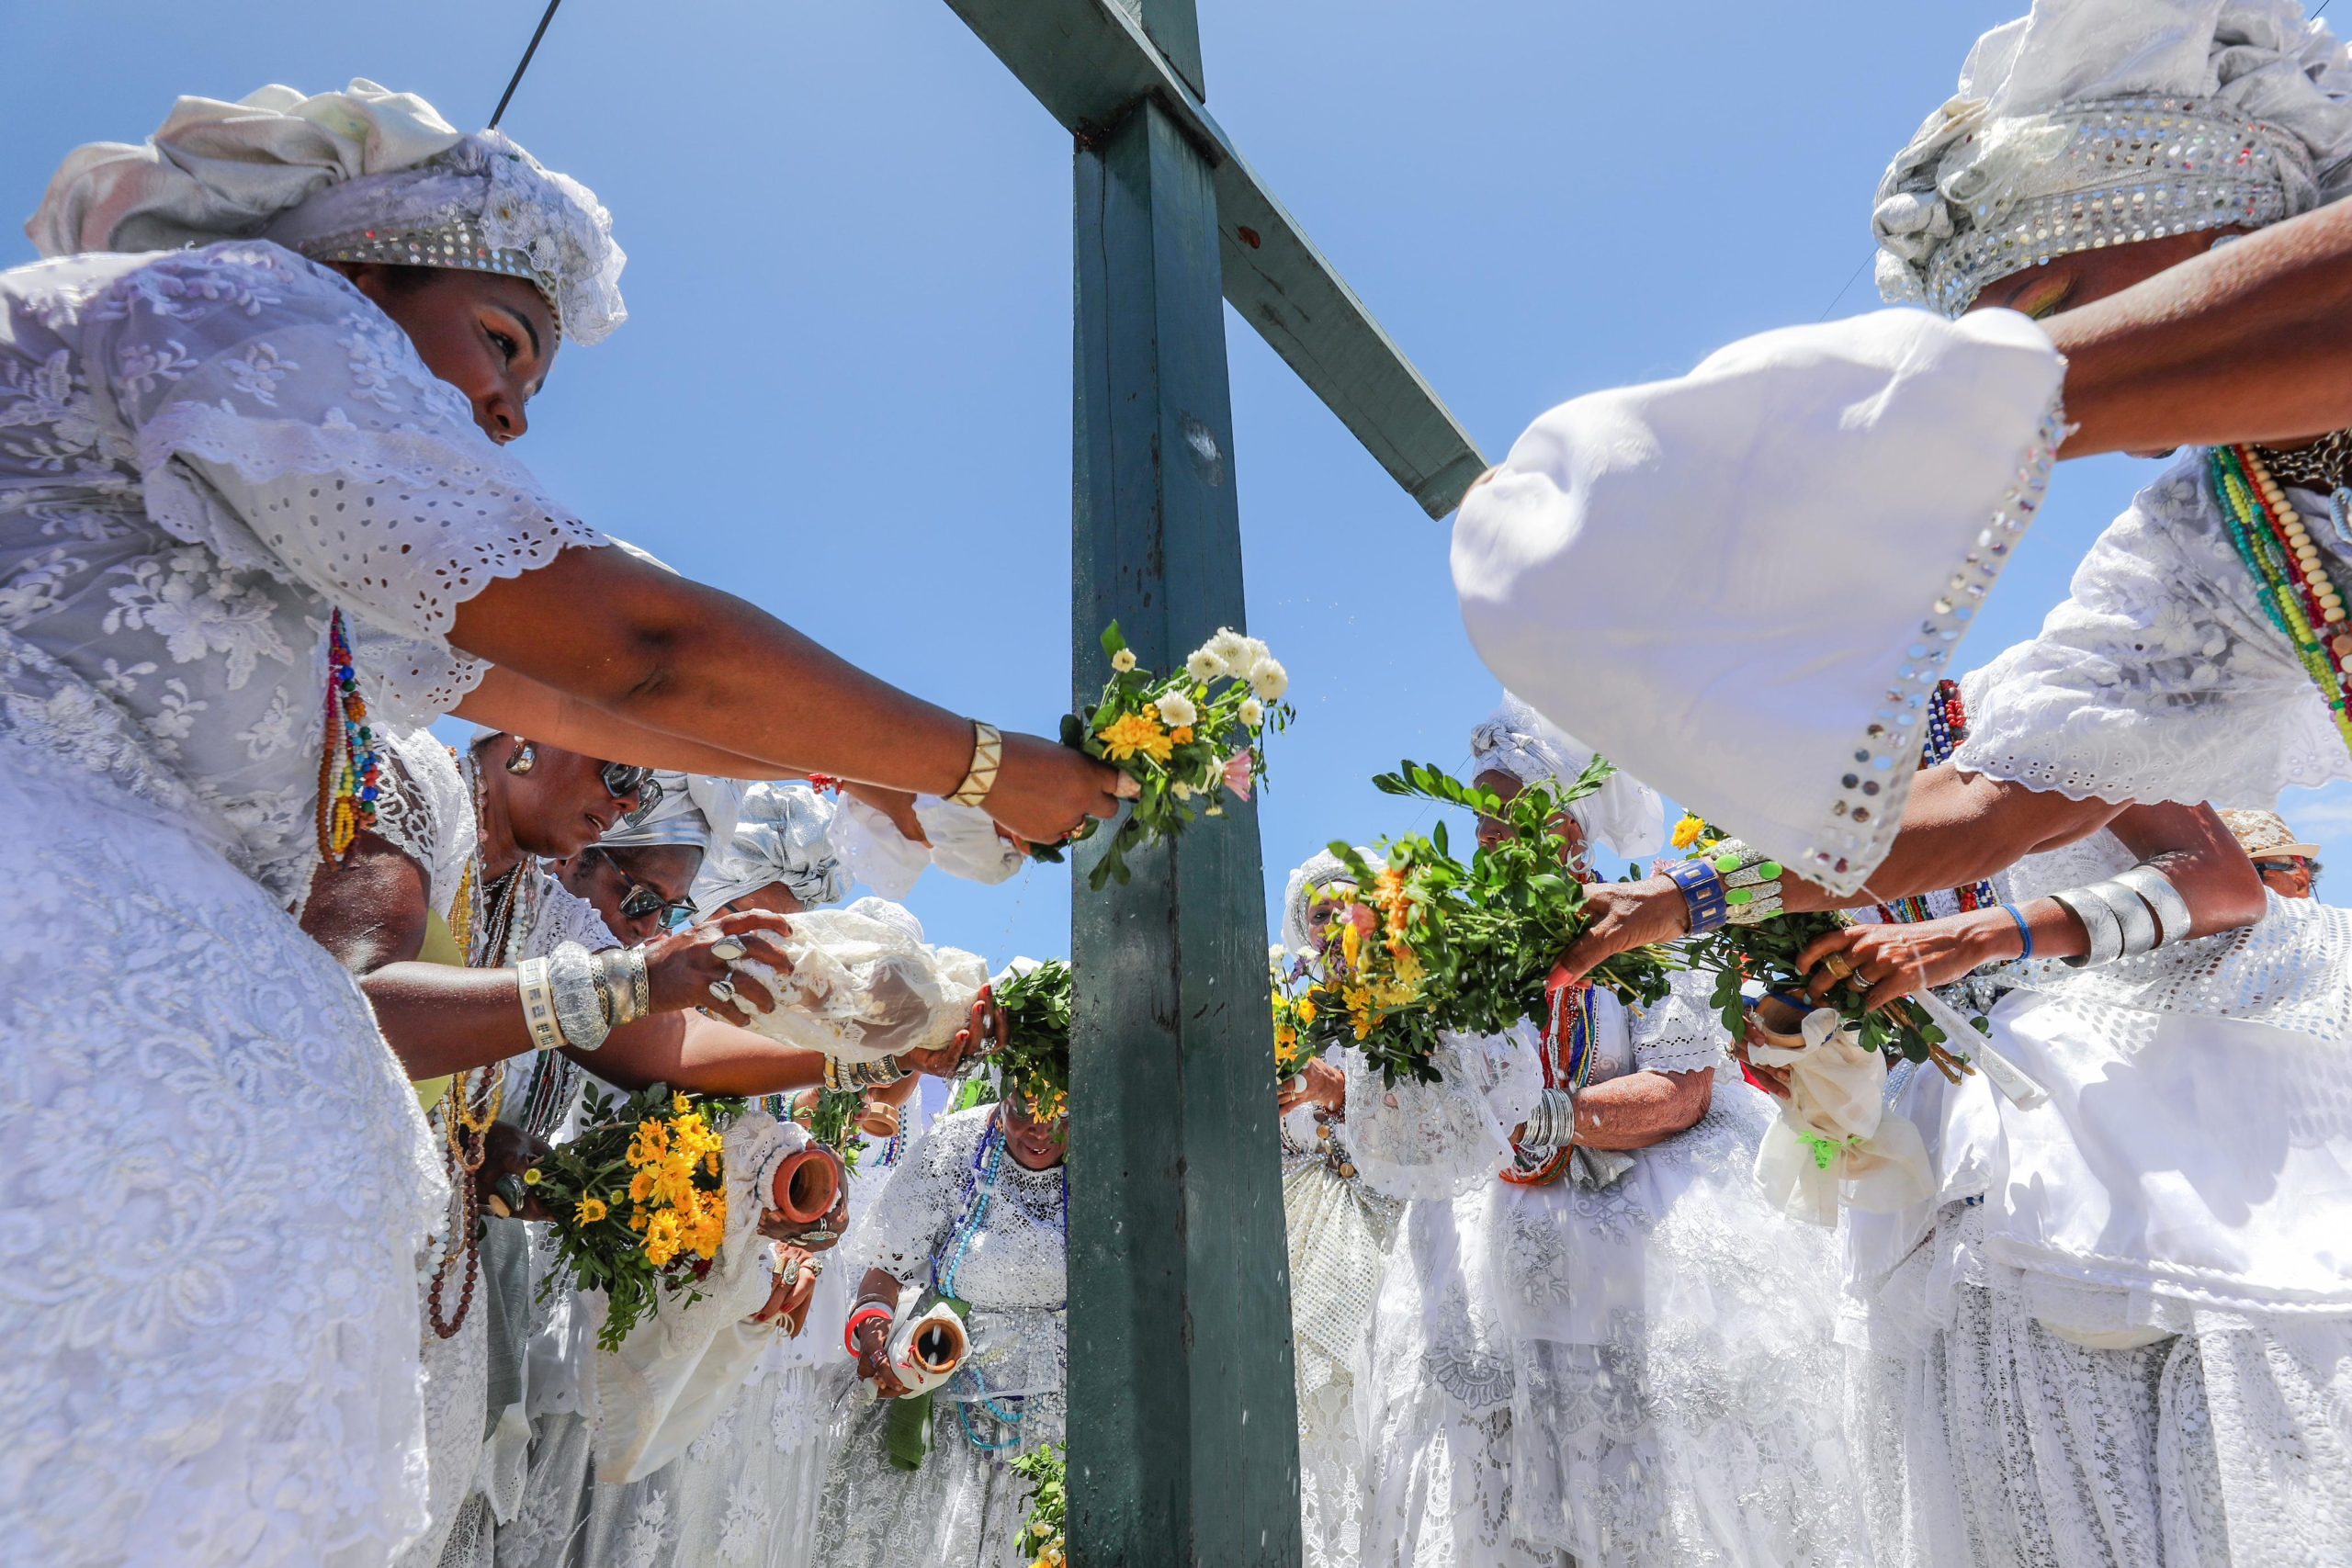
[524,760]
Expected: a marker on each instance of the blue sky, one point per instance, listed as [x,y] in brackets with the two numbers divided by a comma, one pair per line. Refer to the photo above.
[845,388]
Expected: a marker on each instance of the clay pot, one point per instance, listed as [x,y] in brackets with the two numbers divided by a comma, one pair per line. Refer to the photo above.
[807,1185]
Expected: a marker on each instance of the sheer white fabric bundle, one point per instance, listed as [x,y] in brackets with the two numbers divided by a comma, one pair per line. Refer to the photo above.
[864,985]
[1790,541]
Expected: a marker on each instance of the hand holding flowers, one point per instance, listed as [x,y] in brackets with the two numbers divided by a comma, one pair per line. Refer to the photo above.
[1187,740]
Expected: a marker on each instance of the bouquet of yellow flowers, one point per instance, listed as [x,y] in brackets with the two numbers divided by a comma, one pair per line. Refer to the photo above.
[1293,1012]
[1429,943]
[639,1199]
[1188,739]
[1046,1470]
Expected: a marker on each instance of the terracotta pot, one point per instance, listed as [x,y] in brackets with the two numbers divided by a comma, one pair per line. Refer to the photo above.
[807,1185]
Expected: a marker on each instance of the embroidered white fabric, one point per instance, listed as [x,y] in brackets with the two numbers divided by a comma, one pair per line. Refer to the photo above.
[210,1362]
[424,810]
[205,452]
[2159,677]
[862,986]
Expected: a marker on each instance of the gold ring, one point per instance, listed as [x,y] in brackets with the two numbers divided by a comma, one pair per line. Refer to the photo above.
[1840,969]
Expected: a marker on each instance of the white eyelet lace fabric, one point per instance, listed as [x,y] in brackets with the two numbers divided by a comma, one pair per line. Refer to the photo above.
[2159,677]
[1990,1439]
[212,1226]
[203,454]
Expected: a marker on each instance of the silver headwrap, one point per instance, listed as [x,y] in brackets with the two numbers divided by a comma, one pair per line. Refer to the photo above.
[693,810]
[1624,816]
[365,175]
[781,836]
[1298,898]
[2102,122]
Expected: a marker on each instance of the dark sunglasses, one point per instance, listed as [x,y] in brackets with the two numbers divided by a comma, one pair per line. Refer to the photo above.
[2292,863]
[625,779]
[639,902]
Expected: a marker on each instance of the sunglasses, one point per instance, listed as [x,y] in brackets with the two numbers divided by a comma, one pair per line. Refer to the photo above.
[2293,863]
[639,902]
[625,779]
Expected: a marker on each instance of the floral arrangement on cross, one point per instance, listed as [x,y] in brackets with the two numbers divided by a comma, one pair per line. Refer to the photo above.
[1188,739]
[1429,943]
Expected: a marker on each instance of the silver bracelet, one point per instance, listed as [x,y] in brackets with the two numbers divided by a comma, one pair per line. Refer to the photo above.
[2132,911]
[2172,911]
[641,982]
[1751,882]
[537,997]
[1551,1122]
[579,1005]
[2106,930]
[621,977]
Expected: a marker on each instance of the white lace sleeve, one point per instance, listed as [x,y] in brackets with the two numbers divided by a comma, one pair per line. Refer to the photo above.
[284,421]
[563,916]
[1682,1032]
[423,810]
[2159,677]
[910,1222]
[1440,1140]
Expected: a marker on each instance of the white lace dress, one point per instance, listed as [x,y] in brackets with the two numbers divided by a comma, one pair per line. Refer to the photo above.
[2159,677]
[1643,1372]
[744,1494]
[2121,1332]
[203,454]
[999,1242]
[1339,1231]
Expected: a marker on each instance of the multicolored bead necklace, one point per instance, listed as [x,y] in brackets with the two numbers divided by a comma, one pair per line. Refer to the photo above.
[2289,574]
[350,766]
[1568,1067]
[1946,727]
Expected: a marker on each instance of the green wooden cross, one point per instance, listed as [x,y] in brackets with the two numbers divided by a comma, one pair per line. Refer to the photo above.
[1183,1427]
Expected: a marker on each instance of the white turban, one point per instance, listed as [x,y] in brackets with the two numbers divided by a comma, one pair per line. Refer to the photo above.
[693,810]
[338,176]
[1743,585]
[780,837]
[1624,816]
[2101,122]
[1324,870]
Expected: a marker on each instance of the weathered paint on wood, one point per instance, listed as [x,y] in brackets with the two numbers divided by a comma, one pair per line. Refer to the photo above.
[1182,1415]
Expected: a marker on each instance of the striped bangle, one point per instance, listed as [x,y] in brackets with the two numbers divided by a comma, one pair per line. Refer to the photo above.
[1702,891]
[2025,931]
[539,1004]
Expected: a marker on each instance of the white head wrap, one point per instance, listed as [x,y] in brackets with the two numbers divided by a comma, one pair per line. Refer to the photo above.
[693,810]
[780,837]
[1319,872]
[1624,816]
[2101,122]
[363,174]
[1743,585]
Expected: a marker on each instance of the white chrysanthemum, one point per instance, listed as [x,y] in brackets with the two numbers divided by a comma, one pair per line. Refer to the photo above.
[1204,666]
[1124,661]
[1181,790]
[1176,710]
[1253,713]
[1233,650]
[1269,679]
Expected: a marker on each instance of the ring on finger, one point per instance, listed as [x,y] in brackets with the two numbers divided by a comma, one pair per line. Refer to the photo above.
[728,949]
[723,991]
[1840,969]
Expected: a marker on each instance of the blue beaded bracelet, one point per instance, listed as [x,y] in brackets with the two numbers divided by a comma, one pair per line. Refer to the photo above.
[2025,931]
[1703,891]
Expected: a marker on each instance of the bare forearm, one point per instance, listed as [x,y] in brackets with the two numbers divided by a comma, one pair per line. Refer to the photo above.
[520,705]
[438,1019]
[1641,1108]
[2252,341]
[669,655]
[1958,828]
[686,1050]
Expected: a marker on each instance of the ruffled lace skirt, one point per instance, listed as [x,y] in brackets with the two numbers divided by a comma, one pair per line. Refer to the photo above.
[962,1509]
[1990,1442]
[217,1186]
[1339,1234]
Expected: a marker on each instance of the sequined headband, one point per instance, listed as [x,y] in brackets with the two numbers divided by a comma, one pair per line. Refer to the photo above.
[2129,169]
[453,244]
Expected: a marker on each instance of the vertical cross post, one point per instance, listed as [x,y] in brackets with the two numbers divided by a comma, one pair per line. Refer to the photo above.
[1183,1425]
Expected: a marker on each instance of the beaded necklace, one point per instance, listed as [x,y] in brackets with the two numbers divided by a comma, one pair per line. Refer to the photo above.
[2290,575]
[1946,727]
[978,1194]
[1566,1056]
[2324,466]
[350,766]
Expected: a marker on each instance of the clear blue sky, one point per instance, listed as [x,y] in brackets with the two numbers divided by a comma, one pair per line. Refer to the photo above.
[845,388]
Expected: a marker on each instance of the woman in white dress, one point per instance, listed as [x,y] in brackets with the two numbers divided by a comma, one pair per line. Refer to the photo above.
[979,1212]
[226,469]
[1340,1230]
[1615,1351]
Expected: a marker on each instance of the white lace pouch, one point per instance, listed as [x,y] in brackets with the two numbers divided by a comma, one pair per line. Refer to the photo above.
[864,986]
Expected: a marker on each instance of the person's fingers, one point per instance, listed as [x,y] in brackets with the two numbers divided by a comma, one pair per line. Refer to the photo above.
[1823,946]
[1889,991]
[745,922]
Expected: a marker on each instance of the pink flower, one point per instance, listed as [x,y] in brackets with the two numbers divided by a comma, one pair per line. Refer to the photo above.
[1237,772]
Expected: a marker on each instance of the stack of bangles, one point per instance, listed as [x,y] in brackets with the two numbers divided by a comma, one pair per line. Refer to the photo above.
[867,1310]
[840,1074]
[573,997]
[1729,885]
[2130,913]
[1550,1123]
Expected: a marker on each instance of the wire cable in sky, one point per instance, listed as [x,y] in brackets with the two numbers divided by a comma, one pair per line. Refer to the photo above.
[523,65]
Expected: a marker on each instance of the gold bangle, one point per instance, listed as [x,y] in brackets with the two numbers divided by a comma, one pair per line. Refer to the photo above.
[988,754]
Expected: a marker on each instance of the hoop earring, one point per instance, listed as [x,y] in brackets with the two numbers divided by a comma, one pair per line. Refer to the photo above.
[524,758]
